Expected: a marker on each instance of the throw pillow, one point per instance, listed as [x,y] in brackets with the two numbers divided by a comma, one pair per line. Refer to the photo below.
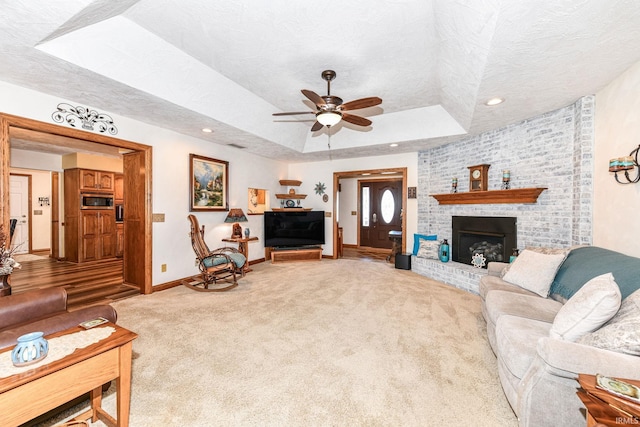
[534,271]
[622,332]
[417,238]
[428,249]
[588,309]
[585,263]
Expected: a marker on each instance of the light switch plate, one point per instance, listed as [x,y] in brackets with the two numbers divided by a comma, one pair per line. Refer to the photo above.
[327,214]
[158,217]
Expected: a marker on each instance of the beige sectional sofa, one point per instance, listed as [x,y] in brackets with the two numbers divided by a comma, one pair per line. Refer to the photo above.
[587,321]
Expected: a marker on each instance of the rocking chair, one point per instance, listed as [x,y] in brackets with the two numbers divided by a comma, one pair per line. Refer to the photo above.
[219,265]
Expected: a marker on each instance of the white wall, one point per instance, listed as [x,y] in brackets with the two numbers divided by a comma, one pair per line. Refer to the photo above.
[40,215]
[171,244]
[617,129]
[348,202]
[311,173]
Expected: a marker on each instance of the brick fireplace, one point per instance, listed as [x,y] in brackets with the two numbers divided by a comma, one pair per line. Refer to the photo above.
[493,237]
[553,150]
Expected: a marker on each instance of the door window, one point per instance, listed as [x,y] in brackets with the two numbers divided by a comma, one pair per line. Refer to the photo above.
[365,206]
[387,206]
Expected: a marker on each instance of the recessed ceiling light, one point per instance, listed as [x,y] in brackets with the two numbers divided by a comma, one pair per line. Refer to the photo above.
[494,101]
[207,130]
[393,145]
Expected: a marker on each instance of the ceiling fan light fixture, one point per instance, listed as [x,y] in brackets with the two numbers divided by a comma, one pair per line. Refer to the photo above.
[329,118]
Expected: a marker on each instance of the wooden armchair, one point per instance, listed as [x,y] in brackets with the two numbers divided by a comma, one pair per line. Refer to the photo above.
[219,265]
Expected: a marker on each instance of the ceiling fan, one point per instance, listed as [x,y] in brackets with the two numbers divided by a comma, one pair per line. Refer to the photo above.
[330,109]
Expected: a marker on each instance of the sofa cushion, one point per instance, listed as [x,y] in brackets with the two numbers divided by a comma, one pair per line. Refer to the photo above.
[417,238]
[493,283]
[588,309]
[534,271]
[428,249]
[516,341]
[622,332]
[585,263]
[499,303]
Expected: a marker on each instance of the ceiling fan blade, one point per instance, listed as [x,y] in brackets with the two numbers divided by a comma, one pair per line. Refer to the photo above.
[313,97]
[293,113]
[316,126]
[361,103]
[356,120]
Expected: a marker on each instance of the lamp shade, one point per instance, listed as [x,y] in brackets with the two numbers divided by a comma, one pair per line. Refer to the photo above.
[329,118]
[236,215]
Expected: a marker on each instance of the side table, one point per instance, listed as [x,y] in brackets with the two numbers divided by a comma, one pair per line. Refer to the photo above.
[29,394]
[604,408]
[243,248]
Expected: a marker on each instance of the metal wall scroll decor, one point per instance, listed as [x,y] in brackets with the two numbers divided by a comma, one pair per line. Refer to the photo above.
[84,117]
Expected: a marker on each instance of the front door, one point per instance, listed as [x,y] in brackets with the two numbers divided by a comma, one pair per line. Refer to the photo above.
[380,212]
[19,211]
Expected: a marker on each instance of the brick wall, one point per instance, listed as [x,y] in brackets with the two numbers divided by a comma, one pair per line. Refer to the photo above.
[554,150]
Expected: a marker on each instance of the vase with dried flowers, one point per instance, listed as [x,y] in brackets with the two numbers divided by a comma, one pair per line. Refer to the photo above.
[7,263]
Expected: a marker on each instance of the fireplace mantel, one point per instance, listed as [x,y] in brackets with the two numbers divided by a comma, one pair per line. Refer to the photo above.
[518,195]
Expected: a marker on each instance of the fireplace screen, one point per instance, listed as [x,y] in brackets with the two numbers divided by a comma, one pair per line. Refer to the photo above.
[493,237]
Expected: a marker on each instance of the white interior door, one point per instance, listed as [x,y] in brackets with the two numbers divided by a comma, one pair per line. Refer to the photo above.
[19,210]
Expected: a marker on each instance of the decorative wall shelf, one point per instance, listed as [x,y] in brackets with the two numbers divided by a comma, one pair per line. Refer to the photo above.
[290,182]
[518,195]
[291,196]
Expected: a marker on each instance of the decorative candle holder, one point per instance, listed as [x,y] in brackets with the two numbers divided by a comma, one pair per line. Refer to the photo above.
[506,179]
[454,185]
[625,165]
[31,348]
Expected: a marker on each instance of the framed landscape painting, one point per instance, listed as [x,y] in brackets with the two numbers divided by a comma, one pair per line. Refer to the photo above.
[209,184]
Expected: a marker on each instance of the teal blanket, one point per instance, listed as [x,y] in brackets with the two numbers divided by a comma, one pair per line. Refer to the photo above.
[583,264]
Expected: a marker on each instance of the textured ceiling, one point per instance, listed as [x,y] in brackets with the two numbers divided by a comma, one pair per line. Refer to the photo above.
[189,64]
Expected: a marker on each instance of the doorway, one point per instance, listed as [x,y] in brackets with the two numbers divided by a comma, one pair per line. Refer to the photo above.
[137,245]
[398,175]
[380,212]
[20,200]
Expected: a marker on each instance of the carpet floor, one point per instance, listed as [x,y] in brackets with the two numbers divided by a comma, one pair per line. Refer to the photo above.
[330,343]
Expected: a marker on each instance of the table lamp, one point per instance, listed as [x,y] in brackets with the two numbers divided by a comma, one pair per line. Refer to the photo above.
[236,215]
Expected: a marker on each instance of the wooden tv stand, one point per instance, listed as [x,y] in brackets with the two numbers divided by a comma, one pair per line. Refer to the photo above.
[302,254]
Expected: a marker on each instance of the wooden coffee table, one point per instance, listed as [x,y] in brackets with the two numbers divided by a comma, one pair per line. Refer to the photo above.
[29,394]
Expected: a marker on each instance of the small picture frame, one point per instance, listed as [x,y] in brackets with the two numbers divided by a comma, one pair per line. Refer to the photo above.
[209,184]
[258,201]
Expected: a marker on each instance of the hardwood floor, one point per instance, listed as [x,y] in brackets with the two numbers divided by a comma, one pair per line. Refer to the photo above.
[366,253]
[86,284]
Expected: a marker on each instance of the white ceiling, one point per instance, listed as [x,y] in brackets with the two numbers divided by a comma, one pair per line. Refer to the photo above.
[228,65]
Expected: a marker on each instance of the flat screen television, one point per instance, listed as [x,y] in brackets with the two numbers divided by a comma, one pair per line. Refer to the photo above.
[284,229]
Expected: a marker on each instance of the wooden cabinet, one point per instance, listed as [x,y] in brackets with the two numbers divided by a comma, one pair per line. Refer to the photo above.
[119,240]
[118,190]
[92,180]
[98,234]
[89,234]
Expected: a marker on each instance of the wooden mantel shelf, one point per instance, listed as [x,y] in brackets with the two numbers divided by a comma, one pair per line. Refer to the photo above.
[519,195]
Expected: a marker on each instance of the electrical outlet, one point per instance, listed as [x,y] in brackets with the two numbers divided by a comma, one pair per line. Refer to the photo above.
[163,268]
[354,213]
[157,217]
[327,214]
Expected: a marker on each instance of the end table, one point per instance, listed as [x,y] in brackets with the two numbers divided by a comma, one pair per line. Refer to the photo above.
[243,248]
